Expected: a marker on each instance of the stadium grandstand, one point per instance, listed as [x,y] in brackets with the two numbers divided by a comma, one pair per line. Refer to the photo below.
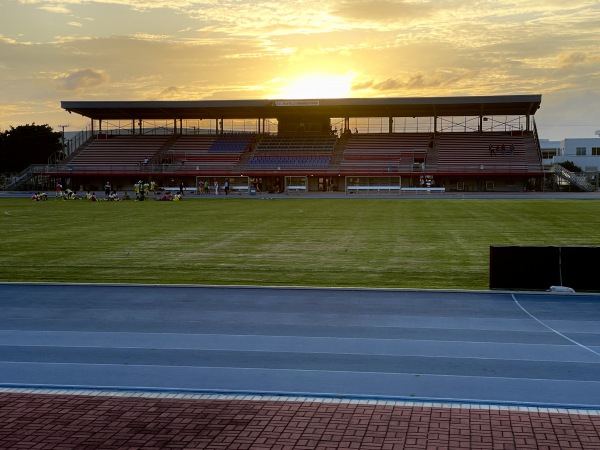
[474,143]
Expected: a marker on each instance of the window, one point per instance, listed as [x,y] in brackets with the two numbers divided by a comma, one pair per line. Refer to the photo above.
[596,151]
[580,151]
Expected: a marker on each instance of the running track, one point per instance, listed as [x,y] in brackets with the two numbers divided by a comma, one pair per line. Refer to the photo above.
[345,357]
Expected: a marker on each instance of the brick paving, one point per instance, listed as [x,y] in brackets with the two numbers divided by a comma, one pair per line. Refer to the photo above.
[60,421]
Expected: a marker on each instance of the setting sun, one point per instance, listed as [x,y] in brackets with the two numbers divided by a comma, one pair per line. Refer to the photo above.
[317,86]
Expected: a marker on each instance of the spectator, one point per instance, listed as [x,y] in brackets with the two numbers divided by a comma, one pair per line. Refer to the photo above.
[136,188]
[58,189]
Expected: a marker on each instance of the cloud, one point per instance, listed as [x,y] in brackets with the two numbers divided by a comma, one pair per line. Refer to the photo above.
[58,9]
[381,10]
[569,59]
[414,82]
[82,79]
[169,93]
[75,24]
[6,40]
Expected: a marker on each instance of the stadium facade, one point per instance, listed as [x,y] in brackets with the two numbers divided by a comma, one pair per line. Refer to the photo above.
[355,145]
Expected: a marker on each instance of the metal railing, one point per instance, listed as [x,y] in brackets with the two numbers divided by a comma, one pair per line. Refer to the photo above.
[573,178]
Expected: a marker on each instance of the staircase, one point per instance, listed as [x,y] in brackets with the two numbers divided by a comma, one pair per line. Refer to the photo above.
[574,179]
[431,160]
[160,154]
[20,179]
[338,151]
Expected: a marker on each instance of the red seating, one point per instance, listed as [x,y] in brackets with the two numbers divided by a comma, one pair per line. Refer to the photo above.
[384,152]
[193,150]
[120,150]
[470,152]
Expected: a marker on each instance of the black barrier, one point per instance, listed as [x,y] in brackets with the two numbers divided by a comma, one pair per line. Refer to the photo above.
[579,269]
[538,268]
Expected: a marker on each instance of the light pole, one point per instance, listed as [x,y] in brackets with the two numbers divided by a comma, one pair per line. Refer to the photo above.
[63,136]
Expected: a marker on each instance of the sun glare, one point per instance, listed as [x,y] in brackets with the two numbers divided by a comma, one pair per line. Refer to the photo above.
[316,86]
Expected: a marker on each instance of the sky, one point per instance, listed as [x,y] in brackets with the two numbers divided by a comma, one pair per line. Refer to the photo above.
[51,51]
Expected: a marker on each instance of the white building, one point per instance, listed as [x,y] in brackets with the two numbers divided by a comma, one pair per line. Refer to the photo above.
[583,152]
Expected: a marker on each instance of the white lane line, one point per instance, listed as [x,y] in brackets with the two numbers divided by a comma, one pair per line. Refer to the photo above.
[552,329]
[320,372]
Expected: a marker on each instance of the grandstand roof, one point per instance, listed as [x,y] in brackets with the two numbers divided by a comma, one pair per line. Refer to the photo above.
[509,105]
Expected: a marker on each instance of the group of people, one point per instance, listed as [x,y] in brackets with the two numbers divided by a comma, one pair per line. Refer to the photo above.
[167,196]
[39,196]
[501,149]
[328,184]
[204,187]
[68,194]
[142,191]
[426,181]
[143,188]
[112,197]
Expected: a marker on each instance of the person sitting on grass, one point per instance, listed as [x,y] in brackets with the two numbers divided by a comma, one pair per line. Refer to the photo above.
[39,196]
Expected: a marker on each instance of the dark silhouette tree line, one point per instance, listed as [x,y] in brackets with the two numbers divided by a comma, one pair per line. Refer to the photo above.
[24,145]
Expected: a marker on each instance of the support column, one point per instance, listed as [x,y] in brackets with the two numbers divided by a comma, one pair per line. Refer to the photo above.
[390,125]
[133,127]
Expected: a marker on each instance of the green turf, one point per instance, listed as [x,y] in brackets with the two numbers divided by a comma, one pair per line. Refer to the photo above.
[421,243]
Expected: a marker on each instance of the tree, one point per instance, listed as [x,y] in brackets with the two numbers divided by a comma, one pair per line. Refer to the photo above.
[570,166]
[27,144]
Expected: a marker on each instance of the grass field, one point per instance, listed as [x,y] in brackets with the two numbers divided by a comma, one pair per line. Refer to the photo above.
[421,243]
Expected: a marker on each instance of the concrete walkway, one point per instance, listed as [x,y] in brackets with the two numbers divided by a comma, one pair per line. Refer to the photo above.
[101,420]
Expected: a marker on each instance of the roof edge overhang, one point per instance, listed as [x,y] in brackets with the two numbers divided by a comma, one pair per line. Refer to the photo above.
[278,108]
